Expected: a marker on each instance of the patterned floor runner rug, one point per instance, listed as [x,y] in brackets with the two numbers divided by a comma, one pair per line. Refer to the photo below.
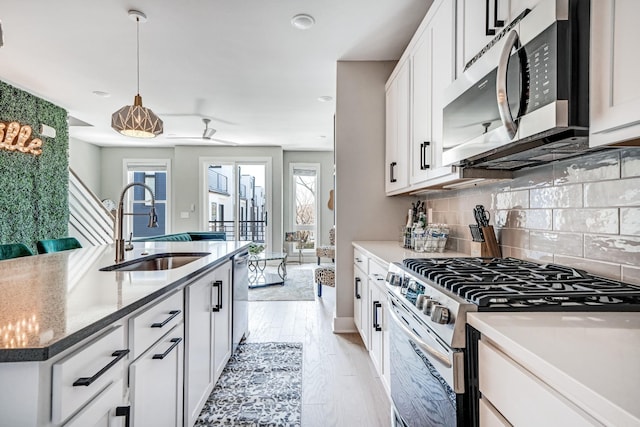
[260,386]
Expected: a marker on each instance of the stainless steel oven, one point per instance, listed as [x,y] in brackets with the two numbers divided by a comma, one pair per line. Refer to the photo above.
[427,376]
[524,100]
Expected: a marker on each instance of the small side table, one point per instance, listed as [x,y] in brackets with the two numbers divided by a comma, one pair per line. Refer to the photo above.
[257,265]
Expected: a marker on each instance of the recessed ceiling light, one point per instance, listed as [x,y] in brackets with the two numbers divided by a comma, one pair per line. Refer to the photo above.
[322,136]
[303,21]
[325,98]
[101,93]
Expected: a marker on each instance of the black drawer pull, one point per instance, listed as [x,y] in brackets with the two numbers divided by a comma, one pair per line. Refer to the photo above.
[497,23]
[173,314]
[358,296]
[124,411]
[175,342]
[87,381]
[392,167]
[423,155]
[488,31]
[218,284]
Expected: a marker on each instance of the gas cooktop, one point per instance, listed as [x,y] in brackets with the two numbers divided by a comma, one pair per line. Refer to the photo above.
[512,284]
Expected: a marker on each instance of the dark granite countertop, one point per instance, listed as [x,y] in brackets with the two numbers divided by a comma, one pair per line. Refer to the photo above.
[50,302]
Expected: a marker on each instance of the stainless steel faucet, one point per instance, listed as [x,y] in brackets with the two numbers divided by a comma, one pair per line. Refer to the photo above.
[153,219]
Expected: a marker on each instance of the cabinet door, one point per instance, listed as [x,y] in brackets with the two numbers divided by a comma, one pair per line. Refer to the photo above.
[361,305]
[397,132]
[614,90]
[376,348]
[221,319]
[420,155]
[198,346]
[156,382]
[475,26]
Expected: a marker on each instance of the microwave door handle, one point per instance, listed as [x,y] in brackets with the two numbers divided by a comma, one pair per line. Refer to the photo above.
[501,85]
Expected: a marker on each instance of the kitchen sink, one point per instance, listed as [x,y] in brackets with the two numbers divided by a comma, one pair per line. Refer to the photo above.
[157,262]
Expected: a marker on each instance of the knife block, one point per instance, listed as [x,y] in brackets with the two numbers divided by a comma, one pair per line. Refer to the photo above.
[493,249]
[479,249]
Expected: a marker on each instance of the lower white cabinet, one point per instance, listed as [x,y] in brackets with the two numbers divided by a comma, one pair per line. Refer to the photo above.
[360,304]
[376,345]
[511,395]
[208,337]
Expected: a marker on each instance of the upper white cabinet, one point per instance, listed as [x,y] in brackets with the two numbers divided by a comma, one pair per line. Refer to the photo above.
[397,129]
[479,21]
[614,89]
[433,69]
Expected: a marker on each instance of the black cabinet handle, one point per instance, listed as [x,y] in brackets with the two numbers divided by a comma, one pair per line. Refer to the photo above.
[376,322]
[392,167]
[488,31]
[497,23]
[218,284]
[423,155]
[87,381]
[358,296]
[124,411]
[175,342]
[173,314]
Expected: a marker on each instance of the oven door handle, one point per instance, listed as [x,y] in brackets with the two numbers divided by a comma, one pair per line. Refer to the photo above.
[442,358]
[501,85]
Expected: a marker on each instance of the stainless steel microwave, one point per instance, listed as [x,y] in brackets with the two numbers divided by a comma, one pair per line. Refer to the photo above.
[524,100]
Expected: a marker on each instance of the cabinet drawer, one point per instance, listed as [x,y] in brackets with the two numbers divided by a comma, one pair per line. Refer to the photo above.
[150,325]
[91,369]
[378,273]
[490,417]
[361,261]
[101,410]
[516,393]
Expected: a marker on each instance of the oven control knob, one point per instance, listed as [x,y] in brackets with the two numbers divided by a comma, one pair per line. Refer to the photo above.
[440,314]
[427,306]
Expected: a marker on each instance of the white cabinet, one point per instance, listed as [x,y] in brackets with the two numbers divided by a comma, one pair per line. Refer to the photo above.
[397,129]
[513,391]
[361,296]
[614,90]
[208,337]
[156,382]
[433,62]
[478,22]
[103,411]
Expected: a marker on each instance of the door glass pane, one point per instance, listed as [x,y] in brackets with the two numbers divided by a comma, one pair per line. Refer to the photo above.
[305,182]
[140,202]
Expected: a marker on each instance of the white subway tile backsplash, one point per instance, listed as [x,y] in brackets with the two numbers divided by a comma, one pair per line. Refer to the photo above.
[586,220]
[566,196]
[511,200]
[599,167]
[617,249]
[630,162]
[622,192]
[582,212]
[630,221]
[556,243]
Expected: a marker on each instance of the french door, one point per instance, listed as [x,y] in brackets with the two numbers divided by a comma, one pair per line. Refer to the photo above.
[236,199]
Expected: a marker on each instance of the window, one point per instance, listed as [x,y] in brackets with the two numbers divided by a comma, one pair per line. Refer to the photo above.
[155,174]
[305,179]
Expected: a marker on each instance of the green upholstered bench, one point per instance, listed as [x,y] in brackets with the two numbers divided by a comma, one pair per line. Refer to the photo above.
[57,245]
[14,250]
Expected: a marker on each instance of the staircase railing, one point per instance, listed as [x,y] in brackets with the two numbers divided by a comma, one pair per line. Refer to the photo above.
[89,221]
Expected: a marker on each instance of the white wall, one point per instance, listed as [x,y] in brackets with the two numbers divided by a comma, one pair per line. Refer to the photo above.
[84,159]
[363,212]
[325,159]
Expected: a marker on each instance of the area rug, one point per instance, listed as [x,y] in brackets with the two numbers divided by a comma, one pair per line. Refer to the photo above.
[298,286]
[260,386]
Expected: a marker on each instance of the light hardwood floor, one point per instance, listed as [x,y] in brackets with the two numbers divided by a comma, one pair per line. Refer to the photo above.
[339,384]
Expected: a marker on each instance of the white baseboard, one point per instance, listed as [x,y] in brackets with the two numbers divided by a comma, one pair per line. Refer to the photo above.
[343,325]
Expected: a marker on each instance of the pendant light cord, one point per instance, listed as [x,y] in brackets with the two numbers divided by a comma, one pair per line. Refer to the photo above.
[138,50]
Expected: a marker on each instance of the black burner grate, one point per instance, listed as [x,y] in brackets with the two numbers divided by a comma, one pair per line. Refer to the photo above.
[510,283]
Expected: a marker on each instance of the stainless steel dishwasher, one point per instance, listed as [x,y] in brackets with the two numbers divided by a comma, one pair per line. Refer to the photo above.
[240,328]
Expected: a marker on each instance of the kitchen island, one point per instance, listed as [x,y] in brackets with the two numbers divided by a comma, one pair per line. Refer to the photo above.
[62,319]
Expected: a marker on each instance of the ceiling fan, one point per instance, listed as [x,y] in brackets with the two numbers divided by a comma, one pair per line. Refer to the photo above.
[207,135]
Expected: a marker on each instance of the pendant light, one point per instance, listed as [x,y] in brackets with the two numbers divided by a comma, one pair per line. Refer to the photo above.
[136,120]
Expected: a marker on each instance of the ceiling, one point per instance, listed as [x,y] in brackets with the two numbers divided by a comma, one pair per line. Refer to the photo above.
[239,63]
